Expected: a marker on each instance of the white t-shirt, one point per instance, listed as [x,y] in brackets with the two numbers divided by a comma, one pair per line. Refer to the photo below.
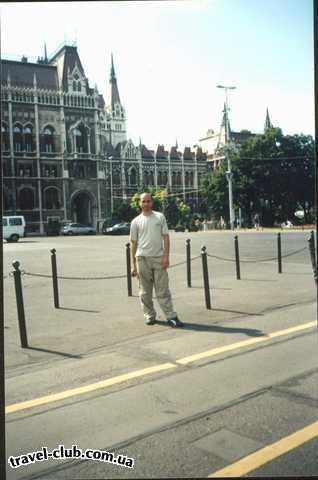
[147,231]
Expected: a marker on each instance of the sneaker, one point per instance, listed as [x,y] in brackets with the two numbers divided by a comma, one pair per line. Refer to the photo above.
[150,321]
[175,322]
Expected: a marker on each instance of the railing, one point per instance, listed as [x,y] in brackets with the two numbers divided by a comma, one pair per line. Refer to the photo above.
[47,97]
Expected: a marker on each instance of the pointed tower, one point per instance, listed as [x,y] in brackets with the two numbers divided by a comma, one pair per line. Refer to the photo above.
[45,54]
[268,123]
[116,117]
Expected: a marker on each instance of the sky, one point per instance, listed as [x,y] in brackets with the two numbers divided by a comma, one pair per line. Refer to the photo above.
[169,57]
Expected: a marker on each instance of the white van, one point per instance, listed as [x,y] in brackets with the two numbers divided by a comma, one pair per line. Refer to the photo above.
[13,228]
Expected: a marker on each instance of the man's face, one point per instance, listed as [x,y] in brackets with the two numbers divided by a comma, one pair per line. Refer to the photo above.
[145,203]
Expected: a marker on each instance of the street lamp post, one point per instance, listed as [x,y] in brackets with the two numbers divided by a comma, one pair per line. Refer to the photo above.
[229,174]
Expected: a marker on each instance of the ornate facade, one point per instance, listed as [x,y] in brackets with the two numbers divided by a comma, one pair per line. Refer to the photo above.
[65,152]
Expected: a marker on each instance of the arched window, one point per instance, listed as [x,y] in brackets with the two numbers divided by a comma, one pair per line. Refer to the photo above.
[146,178]
[28,138]
[26,199]
[186,180]
[191,179]
[17,138]
[51,199]
[151,179]
[179,178]
[80,139]
[159,178]
[79,86]
[5,137]
[74,86]
[48,143]
[174,178]
[133,177]
[116,178]
[7,200]
[165,178]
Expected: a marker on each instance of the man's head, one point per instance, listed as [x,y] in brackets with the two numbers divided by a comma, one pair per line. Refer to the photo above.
[146,203]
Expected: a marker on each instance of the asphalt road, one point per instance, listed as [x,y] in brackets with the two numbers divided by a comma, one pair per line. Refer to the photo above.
[181,403]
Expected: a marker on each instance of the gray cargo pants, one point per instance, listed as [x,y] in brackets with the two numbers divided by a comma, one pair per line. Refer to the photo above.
[151,274]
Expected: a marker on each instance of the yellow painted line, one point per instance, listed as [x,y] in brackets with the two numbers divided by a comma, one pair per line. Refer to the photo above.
[269,453]
[54,397]
[87,388]
[244,343]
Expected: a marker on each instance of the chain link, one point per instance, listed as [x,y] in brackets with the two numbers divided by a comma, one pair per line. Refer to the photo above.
[257,260]
[113,277]
[184,262]
[74,278]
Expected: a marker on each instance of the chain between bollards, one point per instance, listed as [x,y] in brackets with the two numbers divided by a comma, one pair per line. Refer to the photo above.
[206,278]
[312,251]
[237,258]
[188,254]
[54,279]
[20,304]
[129,287]
[279,253]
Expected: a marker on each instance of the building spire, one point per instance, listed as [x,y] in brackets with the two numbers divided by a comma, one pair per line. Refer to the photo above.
[114,93]
[268,123]
[112,70]
[45,54]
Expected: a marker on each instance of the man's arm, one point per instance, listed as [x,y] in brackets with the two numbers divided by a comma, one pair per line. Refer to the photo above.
[166,251]
[133,251]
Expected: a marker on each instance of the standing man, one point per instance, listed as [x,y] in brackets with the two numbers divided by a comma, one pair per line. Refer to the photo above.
[150,245]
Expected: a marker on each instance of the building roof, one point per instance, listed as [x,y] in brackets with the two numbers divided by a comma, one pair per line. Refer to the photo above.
[174,154]
[101,101]
[200,155]
[161,152]
[109,150]
[242,135]
[65,59]
[187,154]
[22,74]
[145,153]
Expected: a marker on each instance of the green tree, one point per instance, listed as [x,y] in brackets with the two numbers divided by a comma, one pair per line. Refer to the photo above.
[175,210]
[272,175]
[124,211]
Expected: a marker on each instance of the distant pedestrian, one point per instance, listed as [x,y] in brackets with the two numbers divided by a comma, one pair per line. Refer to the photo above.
[150,245]
[256,221]
[205,225]
[222,223]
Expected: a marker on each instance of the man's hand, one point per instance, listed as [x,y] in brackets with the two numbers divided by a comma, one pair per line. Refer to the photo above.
[134,272]
[165,262]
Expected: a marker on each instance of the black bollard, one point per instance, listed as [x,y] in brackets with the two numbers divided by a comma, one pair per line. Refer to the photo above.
[206,278]
[237,258]
[311,244]
[188,249]
[128,270]
[20,304]
[54,279]
[279,253]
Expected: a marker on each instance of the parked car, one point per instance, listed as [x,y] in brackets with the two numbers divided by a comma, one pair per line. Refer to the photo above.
[111,221]
[118,229]
[13,228]
[78,229]
[179,228]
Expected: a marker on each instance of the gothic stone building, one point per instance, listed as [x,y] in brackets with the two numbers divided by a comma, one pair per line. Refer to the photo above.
[65,153]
